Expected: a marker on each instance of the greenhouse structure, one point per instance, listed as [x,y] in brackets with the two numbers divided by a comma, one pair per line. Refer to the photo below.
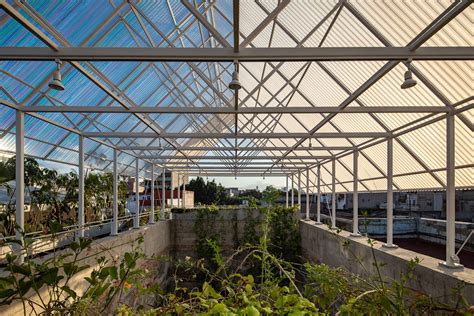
[333,96]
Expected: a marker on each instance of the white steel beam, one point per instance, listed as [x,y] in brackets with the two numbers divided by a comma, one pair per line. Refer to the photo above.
[20,184]
[28,25]
[240,110]
[298,54]
[264,23]
[228,174]
[157,157]
[232,148]
[243,164]
[232,135]
[218,36]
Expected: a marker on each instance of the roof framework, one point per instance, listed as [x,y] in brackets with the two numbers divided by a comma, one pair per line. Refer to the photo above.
[320,81]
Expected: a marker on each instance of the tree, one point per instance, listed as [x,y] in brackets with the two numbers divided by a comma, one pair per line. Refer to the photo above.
[199,188]
[270,194]
[207,192]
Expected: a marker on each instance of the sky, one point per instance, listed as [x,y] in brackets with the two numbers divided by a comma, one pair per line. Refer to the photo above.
[250,182]
[228,182]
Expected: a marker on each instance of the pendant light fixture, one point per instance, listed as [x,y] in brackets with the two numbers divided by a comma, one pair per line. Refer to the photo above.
[235,83]
[56,83]
[409,81]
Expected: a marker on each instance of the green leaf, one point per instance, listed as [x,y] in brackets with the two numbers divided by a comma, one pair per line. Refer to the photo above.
[218,309]
[21,269]
[252,311]
[69,291]
[55,227]
[7,293]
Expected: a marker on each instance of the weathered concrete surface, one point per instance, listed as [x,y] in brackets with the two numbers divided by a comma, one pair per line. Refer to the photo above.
[429,229]
[229,224]
[156,242]
[320,244]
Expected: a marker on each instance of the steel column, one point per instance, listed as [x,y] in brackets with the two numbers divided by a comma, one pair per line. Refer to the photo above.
[184,192]
[163,194]
[452,260]
[318,198]
[20,182]
[80,204]
[355,197]
[299,191]
[287,193]
[179,193]
[389,243]
[136,219]
[152,194]
[307,194]
[114,224]
[292,191]
[333,208]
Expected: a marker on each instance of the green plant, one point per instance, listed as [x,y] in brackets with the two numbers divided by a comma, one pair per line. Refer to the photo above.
[208,240]
[50,280]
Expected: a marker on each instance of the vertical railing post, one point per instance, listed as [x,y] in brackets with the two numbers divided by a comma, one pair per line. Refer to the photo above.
[20,182]
[287,191]
[80,204]
[355,196]
[163,194]
[452,260]
[151,220]
[333,188]
[318,198]
[136,222]
[389,243]
[114,223]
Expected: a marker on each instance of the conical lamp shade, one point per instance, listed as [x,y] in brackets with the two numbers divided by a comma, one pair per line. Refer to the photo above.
[409,81]
[235,83]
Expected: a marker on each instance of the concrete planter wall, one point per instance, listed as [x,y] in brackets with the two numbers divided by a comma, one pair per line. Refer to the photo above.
[157,242]
[228,223]
[320,244]
[433,230]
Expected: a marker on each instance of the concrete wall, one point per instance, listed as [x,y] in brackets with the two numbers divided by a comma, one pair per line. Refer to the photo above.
[433,230]
[157,241]
[320,244]
[229,224]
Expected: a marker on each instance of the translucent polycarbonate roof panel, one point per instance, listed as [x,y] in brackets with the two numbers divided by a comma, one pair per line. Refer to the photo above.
[400,21]
[418,155]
